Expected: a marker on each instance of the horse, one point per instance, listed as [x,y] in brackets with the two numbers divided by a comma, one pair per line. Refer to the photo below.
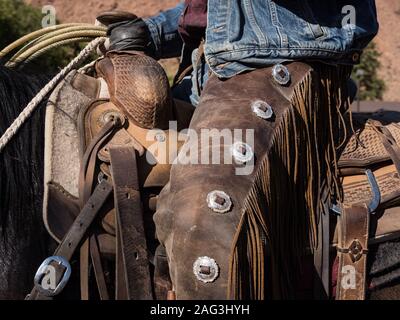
[24,243]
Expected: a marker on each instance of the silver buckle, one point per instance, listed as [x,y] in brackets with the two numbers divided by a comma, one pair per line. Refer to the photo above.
[376,195]
[46,276]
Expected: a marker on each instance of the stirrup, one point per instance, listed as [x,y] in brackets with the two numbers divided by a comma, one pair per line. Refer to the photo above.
[376,195]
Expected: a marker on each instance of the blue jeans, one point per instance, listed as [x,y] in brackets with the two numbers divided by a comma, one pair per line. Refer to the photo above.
[190,88]
[244,35]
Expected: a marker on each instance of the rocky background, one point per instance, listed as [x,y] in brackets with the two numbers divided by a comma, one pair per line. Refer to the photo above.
[388,40]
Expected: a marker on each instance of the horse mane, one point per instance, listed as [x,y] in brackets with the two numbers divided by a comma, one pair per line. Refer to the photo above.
[21,162]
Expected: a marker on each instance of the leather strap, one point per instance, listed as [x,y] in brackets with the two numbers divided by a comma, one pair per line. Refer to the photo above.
[135,269]
[79,228]
[98,268]
[84,262]
[88,162]
[352,252]
[86,181]
[121,290]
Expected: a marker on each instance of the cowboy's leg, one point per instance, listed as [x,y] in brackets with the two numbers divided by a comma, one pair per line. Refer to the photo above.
[217,220]
[191,86]
[197,238]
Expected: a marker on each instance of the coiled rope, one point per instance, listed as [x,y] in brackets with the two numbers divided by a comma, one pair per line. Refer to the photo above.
[34,35]
[27,112]
[39,42]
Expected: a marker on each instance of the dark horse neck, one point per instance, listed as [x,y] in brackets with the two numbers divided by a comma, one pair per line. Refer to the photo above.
[23,240]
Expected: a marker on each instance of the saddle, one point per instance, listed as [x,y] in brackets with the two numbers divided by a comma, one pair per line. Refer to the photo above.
[104,136]
[369,167]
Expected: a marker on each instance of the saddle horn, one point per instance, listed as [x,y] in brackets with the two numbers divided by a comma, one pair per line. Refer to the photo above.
[139,87]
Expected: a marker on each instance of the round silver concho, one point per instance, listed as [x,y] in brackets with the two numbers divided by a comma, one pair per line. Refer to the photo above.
[262,109]
[281,74]
[242,152]
[160,137]
[112,115]
[206,269]
[219,201]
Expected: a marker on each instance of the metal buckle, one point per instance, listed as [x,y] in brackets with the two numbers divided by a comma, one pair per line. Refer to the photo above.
[376,195]
[47,272]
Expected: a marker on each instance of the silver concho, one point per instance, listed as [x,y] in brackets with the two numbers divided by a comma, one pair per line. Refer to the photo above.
[206,269]
[281,74]
[262,109]
[112,115]
[219,201]
[160,137]
[242,152]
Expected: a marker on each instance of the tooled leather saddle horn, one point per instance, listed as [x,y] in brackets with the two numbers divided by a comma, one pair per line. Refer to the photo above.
[139,87]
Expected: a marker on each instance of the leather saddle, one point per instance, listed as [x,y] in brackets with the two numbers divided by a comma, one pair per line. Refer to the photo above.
[82,149]
[369,167]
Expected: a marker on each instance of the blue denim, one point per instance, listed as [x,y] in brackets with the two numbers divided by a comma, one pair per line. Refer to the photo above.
[247,34]
[164,32]
[244,35]
[190,88]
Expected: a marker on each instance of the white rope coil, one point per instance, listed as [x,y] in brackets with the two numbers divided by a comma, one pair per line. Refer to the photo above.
[27,112]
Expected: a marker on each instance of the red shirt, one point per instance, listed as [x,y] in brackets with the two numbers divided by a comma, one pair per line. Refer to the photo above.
[193,23]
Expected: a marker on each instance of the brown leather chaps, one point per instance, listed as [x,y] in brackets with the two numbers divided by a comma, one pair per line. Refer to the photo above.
[237,230]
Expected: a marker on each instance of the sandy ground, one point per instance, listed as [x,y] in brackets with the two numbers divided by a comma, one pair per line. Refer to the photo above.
[388,40]
[86,10]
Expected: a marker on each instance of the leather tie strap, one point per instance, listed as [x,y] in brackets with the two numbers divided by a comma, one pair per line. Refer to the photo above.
[133,274]
[79,228]
[352,252]
[98,268]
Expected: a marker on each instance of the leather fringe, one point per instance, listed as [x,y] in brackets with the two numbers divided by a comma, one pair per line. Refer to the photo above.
[283,208]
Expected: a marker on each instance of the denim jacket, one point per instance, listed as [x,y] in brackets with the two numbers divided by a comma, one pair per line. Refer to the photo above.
[248,34]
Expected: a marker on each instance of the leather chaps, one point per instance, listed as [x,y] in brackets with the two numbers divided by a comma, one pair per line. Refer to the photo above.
[227,225]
